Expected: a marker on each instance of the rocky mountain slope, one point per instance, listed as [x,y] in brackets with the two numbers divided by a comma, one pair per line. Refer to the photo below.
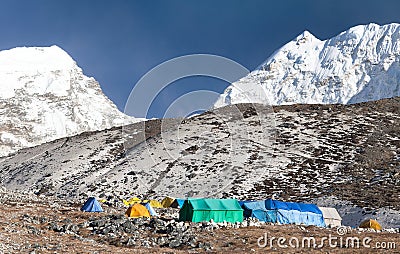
[358,65]
[44,96]
[299,153]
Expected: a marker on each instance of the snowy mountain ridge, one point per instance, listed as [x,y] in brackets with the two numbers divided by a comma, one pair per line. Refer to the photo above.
[44,96]
[358,65]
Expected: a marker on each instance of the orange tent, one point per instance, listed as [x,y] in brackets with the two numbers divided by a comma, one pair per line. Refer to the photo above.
[371,224]
[136,211]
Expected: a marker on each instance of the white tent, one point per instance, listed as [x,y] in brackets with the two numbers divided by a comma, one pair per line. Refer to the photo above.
[331,217]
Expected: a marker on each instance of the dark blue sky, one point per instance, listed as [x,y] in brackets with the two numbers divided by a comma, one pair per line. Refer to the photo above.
[117,42]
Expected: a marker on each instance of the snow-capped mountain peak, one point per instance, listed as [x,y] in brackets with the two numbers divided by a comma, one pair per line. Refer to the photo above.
[358,65]
[304,36]
[35,57]
[44,96]
[28,69]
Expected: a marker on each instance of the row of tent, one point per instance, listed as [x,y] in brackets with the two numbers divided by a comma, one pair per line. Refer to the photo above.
[93,205]
[231,210]
[135,211]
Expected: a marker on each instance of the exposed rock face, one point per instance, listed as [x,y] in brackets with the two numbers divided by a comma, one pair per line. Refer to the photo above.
[44,96]
[358,65]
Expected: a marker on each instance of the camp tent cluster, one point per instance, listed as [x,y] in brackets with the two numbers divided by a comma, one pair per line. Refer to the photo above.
[231,210]
[137,208]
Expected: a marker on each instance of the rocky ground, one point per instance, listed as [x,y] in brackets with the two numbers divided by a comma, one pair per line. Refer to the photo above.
[39,224]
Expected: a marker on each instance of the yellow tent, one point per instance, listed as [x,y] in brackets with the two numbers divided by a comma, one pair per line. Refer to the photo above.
[136,211]
[134,200]
[371,224]
[167,201]
[126,203]
[103,200]
[131,201]
[155,203]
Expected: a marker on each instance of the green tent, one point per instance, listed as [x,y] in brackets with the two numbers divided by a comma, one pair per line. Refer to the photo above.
[219,210]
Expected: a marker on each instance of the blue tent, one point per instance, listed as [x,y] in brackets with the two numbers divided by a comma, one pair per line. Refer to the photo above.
[178,203]
[241,202]
[296,213]
[92,205]
[257,209]
[150,209]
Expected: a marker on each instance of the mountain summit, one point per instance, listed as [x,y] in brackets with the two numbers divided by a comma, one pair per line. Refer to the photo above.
[358,65]
[44,96]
